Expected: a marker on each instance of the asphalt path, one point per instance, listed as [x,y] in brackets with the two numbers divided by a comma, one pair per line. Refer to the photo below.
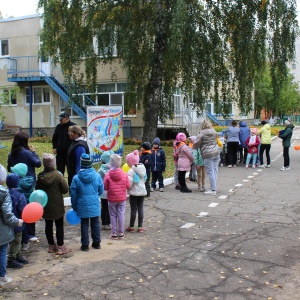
[242,243]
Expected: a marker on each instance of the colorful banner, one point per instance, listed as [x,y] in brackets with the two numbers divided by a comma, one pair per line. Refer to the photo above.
[104,130]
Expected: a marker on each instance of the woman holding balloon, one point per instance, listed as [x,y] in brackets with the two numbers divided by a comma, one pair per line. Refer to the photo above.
[54,185]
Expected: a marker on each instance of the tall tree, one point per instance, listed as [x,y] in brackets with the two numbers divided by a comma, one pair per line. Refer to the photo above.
[162,44]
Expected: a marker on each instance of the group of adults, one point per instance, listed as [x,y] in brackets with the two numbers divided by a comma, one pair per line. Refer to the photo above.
[236,142]
[69,142]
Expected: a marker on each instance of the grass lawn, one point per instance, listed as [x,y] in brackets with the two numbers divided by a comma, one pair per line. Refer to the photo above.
[47,148]
[41,148]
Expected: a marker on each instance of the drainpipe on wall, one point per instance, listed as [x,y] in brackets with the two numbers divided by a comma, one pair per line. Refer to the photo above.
[30,109]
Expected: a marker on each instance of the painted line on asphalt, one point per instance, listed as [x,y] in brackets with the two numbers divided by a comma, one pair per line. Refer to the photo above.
[213,204]
[188,225]
[222,197]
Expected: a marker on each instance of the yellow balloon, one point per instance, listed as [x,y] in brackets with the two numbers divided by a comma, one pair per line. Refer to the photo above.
[125,168]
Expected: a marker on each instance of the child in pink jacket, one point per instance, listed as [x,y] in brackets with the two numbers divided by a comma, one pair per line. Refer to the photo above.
[185,159]
[116,183]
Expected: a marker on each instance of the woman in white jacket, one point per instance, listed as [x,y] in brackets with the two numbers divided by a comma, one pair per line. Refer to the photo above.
[137,191]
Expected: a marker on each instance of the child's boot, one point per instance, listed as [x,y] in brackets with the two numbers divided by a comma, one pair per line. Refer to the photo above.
[63,250]
[52,248]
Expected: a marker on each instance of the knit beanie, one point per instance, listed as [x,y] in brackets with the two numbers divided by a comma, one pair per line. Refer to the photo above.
[105,157]
[2,174]
[115,160]
[156,141]
[146,145]
[133,158]
[20,169]
[263,122]
[49,160]
[181,137]
[86,161]
[12,181]
[287,122]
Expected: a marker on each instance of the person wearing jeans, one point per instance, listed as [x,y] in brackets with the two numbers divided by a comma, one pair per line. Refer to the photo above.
[207,142]
[7,222]
[85,190]
[286,136]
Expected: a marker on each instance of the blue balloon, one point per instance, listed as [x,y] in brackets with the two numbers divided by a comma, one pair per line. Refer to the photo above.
[72,217]
[39,196]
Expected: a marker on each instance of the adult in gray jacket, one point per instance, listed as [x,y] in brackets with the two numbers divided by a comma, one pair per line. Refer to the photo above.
[7,223]
[233,140]
[207,142]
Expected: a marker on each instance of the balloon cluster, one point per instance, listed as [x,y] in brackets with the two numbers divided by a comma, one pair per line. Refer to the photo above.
[34,210]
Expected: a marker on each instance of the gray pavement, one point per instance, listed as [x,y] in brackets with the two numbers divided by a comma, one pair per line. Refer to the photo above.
[243,243]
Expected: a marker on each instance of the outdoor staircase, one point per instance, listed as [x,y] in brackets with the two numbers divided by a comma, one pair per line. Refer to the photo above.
[16,72]
[6,134]
[213,119]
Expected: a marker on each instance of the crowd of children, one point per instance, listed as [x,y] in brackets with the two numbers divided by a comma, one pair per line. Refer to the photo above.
[112,185]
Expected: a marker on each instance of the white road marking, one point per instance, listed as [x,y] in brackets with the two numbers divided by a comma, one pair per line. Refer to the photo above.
[202,214]
[250,176]
[239,184]
[188,225]
[245,180]
[213,204]
[223,197]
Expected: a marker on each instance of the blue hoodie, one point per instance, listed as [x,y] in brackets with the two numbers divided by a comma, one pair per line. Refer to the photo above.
[86,187]
[244,134]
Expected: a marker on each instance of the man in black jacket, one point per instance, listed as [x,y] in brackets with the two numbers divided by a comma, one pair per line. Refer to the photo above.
[61,141]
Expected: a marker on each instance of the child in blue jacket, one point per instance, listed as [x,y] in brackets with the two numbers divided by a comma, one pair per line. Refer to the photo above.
[85,190]
[145,159]
[158,165]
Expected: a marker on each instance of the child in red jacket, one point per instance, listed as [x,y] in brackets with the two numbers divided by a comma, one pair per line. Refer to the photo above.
[116,183]
[252,143]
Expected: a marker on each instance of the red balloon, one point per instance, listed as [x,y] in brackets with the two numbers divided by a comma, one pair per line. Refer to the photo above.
[32,212]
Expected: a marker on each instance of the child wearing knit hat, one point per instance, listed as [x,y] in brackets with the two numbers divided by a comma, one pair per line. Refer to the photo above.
[15,260]
[116,183]
[137,191]
[145,159]
[9,220]
[105,218]
[26,187]
[158,165]
[85,190]
[53,183]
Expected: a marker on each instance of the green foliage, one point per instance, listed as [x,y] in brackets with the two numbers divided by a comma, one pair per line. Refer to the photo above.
[287,101]
[162,44]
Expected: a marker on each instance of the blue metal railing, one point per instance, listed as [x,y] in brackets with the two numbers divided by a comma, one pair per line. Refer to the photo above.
[30,68]
[213,118]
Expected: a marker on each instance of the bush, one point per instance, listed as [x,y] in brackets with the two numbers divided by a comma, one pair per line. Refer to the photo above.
[41,139]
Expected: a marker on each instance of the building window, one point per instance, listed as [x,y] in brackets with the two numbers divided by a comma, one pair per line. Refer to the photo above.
[294,66]
[40,95]
[4,48]
[8,97]
[177,101]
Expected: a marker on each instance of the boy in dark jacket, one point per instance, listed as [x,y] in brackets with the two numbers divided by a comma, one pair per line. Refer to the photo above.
[145,159]
[15,260]
[158,165]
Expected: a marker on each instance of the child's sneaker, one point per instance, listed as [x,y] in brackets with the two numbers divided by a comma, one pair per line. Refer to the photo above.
[151,189]
[96,245]
[121,236]
[253,167]
[5,280]
[25,247]
[161,189]
[84,248]
[201,189]
[140,229]
[130,229]
[210,192]
[113,236]
[246,166]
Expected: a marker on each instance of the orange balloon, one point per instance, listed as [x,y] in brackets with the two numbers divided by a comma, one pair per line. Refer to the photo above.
[297,147]
[32,212]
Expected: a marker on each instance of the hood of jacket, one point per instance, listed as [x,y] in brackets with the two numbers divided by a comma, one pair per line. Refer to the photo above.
[290,126]
[26,183]
[140,170]
[103,170]
[243,124]
[47,178]
[116,174]
[86,175]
